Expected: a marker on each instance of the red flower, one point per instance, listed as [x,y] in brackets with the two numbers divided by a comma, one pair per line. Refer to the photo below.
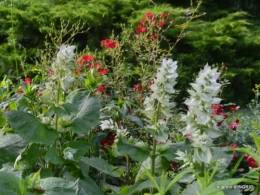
[107,142]
[163,15]
[108,44]
[82,60]
[142,21]
[250,161]
[140,29]
[161,24]
[150,15]
[101,89]
[103,71]
[77,71]
[155,36]
[97,66]
[138,87]
[189,136]
[50,72]
[38,93]
[234,108]
[28,81]
[233,125]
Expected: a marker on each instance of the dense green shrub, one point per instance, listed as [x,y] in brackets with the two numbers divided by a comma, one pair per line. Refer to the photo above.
[225,34]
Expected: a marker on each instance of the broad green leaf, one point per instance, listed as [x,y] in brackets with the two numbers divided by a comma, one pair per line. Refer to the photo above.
[136,120]
[64,109]
[216,186]
[131,150]
[170,150]
[102,165]
[30,128]
[11,145]
[222,155]
[58,186]
[53,156]
[81,148]
[28,158]
[88,186]
[88,113]
[10,184]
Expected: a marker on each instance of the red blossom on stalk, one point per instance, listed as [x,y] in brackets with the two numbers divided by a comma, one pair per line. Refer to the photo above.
[28,81]
[140,29]
[150,15]
[233,125]
[163,15]
[234,108]
[137,87]
[103,71]
[101,88]
[142,21]
[82,60]
[50,72]
[108,44]
[250,161]
[108,142]
[153,37]
[161,24]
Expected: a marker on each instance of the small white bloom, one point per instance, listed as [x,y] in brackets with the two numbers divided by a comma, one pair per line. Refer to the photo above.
[107,124]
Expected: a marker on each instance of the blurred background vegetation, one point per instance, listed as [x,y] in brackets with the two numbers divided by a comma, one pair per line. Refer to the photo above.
[228,33]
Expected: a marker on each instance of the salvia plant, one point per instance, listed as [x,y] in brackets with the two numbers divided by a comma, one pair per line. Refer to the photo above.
[102,122]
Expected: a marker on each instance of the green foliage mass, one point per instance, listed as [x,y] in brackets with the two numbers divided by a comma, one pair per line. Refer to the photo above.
[224,34]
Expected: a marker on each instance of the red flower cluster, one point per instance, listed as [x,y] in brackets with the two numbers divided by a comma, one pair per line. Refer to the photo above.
[101,89]
[233,125]
[218,110]
[150,18]
[103,71]
[138,87]
[82,60]
[28,81]
[250,161]
[108,44]
[108,142]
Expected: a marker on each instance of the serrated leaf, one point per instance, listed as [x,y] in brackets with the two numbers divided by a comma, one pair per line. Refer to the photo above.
[58,186]
[88,113]
[131,150]
[101,165]
[53,156]
[11,145]
[30,128]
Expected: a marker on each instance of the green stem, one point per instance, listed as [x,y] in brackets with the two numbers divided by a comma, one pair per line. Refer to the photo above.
[258,188]
[153,157]
[202,169]
[128,170]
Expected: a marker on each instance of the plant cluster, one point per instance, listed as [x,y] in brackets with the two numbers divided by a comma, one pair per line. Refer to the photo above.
[106,122]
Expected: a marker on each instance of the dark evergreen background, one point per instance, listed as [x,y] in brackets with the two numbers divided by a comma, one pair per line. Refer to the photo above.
[228,33]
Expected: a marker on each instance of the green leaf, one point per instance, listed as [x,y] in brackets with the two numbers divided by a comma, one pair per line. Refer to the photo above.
[222,155]
[58,186]
[216,186]
[102,165]
[10,184]
[81,148]
[53,156]
[255,156]
[256,141]
[131,150]
[28,158]
[170,150]
[88,113]
[88,186]
[138,186]
[11,145]
[64,109]
[30,128]
[136,120]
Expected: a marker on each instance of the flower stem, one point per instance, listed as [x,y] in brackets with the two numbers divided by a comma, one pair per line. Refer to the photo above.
[258,188]
[128,170]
